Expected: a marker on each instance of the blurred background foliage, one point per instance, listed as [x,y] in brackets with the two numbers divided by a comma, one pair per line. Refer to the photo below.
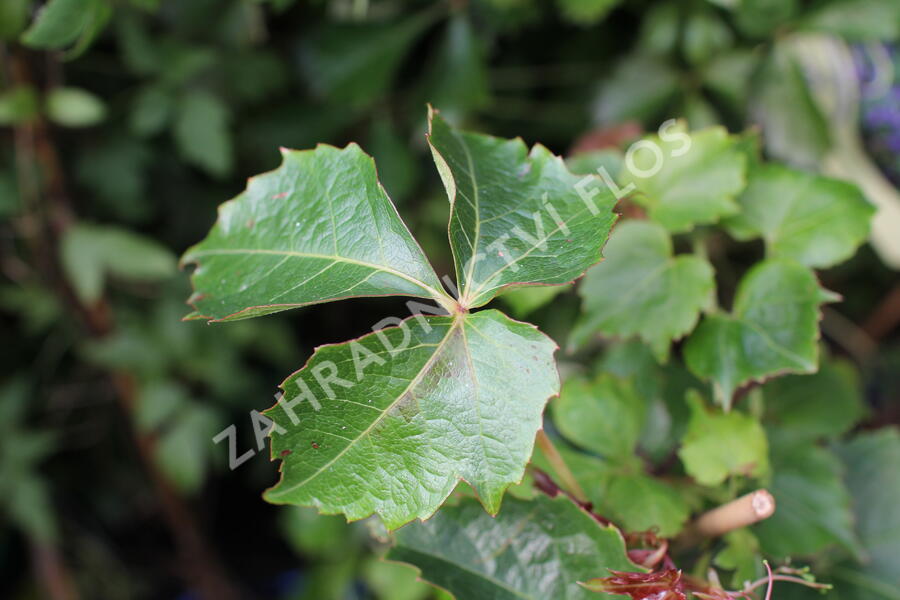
[125,123]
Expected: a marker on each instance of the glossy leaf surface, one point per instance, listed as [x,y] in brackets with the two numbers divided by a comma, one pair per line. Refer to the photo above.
[318,228]
[363,429]
[516,217]
[531,550]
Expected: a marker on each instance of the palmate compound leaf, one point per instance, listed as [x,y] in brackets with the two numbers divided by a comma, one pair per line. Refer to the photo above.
[389,423]
[772,329]
[318,228]
[815,220]
[392,432]
[537,549]
[516,217]
[642,289]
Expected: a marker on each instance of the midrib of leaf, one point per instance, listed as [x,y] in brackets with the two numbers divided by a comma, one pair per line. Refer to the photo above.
[457,324]
[526,254]
[435,294]
[476,204]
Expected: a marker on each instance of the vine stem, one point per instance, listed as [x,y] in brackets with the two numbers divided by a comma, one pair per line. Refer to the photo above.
[787,578]
[560,468]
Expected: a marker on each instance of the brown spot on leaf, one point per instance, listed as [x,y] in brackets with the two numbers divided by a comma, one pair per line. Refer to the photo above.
[285,453]
[315,446]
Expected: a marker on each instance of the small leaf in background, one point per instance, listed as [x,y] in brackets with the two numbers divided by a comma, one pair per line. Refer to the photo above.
[355,63]
[458,80]
[761,18]
[9,194]
[813,505]
[856,20]
[74,107]
[310,534]
[817,221]
[62,23]
[317,229]
[772,329]
[397,167]
[639,87]
[741,555]
[825,404]
[586,12]
[641,502]
[872,475]
[457,398]
[18,104]
[202,132]
[516,216]
[90,252]
[642,289]
[525,300]
[683,184]
[603,415]
[394,581]
[728,75]
[536,549]
[182,449]
[705,36]
[151,110]
[794,129]
[13,18]
[718,445]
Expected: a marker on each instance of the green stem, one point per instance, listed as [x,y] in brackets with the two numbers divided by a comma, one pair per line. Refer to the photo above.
[560,468]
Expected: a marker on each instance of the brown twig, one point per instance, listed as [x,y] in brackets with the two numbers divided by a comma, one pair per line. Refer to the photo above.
[746,510]
[560,468]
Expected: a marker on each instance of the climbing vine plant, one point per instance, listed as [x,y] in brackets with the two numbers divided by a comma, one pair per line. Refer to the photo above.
[390,423]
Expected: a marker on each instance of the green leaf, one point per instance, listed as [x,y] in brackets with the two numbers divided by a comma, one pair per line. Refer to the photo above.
[641,289]
[516,217]
[772,329]
[604,415]
[639,87]
[586,12]
[872,476]
[90,252]
[538,549]
[182,450]
[457,82]
[201,132]
[13,18]
[61,23]
[825,404]
[356,63]
[719,444]
[728,76]
[394,581]
[459,398]
[705,36]
[74,107]
[318,228]
[741,555]
[18,104]
[817,221]
[813,504]
[794,129]
[641,502]
[685,184]
[857,20]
